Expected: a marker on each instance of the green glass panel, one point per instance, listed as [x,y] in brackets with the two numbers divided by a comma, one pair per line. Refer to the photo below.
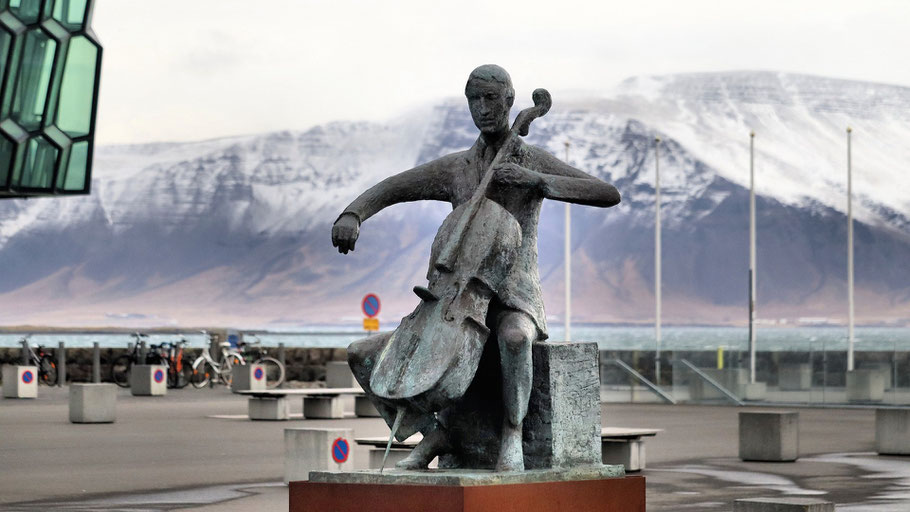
[75,171]
[70,13]
[26,10]
[34,76]
[39,164]
[74,112]
[6,159]
[6,39]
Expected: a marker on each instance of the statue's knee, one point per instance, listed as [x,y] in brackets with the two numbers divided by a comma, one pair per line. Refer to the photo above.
[363,353]
[514,339]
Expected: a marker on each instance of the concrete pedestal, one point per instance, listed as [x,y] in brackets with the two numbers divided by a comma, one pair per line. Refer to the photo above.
[317,449]
[364,408]
[628,453]
[93,403]
[782,504]
[148,380]
[323,407]
[892,431]
[20,381]
[338,375]
[248,377]
[794,377]
[471,492]
[771,436]
[865,385]
[269,409]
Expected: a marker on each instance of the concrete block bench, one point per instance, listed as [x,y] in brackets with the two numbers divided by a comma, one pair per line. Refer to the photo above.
[865,385]
[782,504]
[20,381]
[318,403]
[625,446]
[769,436]
[338,375]
[148,380]
[892,431]
[364,408]
[93,403]
[316,449]
[248,377]
[795,377]
[398,451]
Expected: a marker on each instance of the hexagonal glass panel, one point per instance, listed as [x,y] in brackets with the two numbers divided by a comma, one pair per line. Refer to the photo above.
[70,13]
[75,171]
[39,164]
[33,80]
[74,112]
[26,10]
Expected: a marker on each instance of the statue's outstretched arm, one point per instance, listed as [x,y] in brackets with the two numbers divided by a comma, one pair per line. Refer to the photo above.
[430,181]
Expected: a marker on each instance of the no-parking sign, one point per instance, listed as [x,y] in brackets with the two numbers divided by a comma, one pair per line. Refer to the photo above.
[340,450]
[159,376]
[258,374]
[370,305]
[28,376]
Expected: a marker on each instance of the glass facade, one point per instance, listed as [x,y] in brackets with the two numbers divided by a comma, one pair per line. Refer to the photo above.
[50,64]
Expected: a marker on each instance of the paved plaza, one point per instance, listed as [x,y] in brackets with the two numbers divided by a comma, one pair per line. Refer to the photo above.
[194,450]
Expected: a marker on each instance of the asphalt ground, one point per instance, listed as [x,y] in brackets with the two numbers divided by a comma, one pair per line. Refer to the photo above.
[194,450]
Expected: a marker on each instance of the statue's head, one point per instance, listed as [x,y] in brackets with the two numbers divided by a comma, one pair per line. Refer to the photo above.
[490,96]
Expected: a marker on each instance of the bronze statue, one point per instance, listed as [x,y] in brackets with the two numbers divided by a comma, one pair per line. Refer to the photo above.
[483,277]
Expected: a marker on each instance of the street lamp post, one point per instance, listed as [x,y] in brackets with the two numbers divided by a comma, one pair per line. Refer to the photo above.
[752,257]
[850,361]
[657,259]
[567,257]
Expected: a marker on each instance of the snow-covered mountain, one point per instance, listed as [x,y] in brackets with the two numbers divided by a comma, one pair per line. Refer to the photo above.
[236,231]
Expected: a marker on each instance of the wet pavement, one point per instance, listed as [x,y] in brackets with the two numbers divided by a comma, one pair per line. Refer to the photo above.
[194,450]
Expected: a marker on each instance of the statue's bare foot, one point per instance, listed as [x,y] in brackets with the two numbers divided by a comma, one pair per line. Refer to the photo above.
[511,455]
[433,443]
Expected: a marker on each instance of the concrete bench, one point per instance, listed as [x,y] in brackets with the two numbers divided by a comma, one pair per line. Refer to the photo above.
[316,449]
[248,377]
[148,380]
[769,436]
[625,446]
[865,385]
[20,381]
[93,403]
[398,451]
[782,504]
[795,377]
[318,403]
[892,431]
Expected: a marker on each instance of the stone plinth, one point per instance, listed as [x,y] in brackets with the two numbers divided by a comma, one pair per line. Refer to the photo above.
[364,408]
[771,436]
[316,449]
[323,407]
[93,403]
[20,381]
[248,377]
[794,377]
[148,380]
[269,408]
[782,504]
[338,375]
[892,431]
[471,491]
[629,453]
[865,385]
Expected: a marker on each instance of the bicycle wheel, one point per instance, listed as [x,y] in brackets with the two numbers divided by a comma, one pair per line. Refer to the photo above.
[120,370]
[183,373]
[202,373]
[227,366]
[47,371]
[274,371]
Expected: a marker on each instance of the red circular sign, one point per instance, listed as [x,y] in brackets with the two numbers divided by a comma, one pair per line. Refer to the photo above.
[370,305]
[258,373]
[159,376]
[28,376]
[340,450]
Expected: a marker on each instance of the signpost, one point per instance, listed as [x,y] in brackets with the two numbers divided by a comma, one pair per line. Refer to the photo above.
[370,306]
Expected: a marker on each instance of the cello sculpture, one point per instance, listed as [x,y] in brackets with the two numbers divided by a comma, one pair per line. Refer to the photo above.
[482,302]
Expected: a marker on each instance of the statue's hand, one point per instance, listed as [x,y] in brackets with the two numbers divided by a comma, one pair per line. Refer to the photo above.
[345,232]
[513,175]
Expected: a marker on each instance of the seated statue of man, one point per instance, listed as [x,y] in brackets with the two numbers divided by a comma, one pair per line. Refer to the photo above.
[516,319]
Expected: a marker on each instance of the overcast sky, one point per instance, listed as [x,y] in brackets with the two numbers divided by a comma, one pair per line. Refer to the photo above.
[177,70]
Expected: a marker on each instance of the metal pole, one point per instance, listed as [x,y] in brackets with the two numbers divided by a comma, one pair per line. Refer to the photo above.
[849,252]
[657,260]
[61,364]
[752,257]
[282,358]
[567,257]
[24,353]
[142,352]
[96,362]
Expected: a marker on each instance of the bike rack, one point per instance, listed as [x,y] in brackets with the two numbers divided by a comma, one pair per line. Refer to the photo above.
[641,378]
[713,383]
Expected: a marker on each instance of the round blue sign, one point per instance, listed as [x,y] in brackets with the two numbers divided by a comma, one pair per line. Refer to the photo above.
[159,376]
[258,373]
[28,376]
[340,450]
[370,305]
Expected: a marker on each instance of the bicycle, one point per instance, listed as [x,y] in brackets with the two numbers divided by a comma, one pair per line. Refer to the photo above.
[274,370]
[47,366]
[179,366]
[205,366]
[123,364]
